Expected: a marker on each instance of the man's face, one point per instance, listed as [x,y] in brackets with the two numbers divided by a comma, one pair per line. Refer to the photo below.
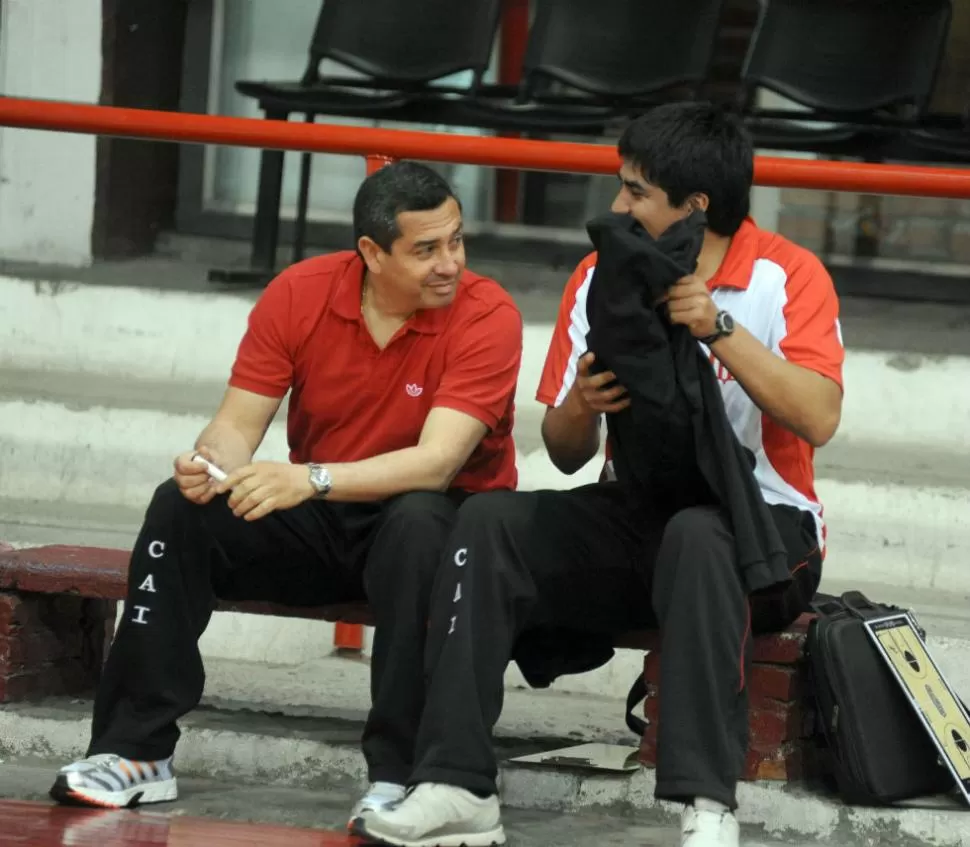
[647,203]
[427,258]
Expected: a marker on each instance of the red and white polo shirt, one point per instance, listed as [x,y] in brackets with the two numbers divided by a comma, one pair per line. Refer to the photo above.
[782,294]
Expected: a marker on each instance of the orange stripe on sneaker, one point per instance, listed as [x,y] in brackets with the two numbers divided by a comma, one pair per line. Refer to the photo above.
[80,797]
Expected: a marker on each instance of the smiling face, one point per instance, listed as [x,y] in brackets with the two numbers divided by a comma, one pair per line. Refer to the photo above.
[648,203]
[425,261]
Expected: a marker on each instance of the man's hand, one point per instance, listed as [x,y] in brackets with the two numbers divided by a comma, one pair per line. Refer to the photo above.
[690,304]
[192,478]
[590,389]
[263,487]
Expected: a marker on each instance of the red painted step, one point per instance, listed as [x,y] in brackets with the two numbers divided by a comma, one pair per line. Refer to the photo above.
[46,825]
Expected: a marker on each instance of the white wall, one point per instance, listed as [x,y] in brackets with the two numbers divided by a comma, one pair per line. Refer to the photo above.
[49,49]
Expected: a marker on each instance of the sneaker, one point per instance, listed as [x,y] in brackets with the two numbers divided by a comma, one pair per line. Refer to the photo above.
[436,815]
[708,824]
[379,795]
[111,782]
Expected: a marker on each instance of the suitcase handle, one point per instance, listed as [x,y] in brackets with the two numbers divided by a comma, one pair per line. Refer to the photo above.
[854,602]
[829,607]
[859,605]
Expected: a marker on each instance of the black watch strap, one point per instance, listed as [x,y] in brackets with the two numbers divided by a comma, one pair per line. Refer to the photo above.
[724,325]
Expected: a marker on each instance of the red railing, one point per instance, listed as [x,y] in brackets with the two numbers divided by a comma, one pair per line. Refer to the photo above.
[515,153]
[380,146]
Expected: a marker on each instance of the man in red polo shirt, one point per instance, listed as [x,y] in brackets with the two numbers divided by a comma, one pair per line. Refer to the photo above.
[401,367]
[609,557]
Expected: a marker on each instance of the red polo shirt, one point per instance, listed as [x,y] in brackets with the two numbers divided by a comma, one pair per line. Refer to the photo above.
[351,400]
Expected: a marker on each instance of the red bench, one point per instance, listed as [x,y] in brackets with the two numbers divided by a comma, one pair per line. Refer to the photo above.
[57,614]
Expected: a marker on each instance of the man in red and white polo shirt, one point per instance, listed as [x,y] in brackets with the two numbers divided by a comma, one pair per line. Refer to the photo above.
[783,297]
[602,558]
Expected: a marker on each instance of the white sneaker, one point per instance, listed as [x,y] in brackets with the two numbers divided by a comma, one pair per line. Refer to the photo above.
[436,815]
[708,824]
[378,796]
[111,782]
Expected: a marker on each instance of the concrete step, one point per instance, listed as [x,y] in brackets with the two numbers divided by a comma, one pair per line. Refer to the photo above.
[892,400]
[901,393]
[281,753]
[41,400]
[31,427]
[588,707]
[896,517]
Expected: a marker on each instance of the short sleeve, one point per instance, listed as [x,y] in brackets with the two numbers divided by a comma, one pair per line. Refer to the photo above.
[482,368]
[568,337]
[264,362]
[812,335]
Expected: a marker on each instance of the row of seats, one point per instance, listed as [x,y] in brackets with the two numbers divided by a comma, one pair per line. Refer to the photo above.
[868,62]
[860,73]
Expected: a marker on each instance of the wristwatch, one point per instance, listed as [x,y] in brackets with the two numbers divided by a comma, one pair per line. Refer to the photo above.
[723,327]
[320,480]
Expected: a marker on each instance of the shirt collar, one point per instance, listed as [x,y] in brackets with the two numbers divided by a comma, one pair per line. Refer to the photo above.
[737,266]
[346,302]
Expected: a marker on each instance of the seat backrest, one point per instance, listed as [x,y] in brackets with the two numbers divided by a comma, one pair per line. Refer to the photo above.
[410,41]
[848,56]
[621,48]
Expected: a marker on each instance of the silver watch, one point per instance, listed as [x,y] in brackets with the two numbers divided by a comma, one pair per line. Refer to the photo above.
[320,480]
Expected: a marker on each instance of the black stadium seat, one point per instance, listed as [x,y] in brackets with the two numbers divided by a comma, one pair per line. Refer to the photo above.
[399,49]
[866,66]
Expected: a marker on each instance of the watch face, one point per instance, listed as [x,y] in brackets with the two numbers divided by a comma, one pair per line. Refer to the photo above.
[725,323]
[319,478]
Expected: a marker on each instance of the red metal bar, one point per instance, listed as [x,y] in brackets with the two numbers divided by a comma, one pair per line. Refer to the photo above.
[864,178]
[514,39]
[349,637]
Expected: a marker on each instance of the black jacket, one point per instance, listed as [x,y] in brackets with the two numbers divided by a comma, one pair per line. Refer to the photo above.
[674,441]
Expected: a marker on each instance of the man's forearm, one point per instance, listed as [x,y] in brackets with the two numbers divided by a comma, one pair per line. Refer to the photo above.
[571,433]
[801,400]
[227,443]
[380,477]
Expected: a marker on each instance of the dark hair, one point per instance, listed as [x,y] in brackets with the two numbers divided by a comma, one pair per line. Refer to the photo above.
[395,188]
[688,148]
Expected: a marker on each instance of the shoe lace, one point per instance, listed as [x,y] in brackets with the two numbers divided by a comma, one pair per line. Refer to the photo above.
[103,759]
[702,821]
[383,789]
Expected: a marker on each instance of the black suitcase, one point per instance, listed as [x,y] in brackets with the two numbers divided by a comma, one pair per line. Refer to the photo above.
[872,744]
